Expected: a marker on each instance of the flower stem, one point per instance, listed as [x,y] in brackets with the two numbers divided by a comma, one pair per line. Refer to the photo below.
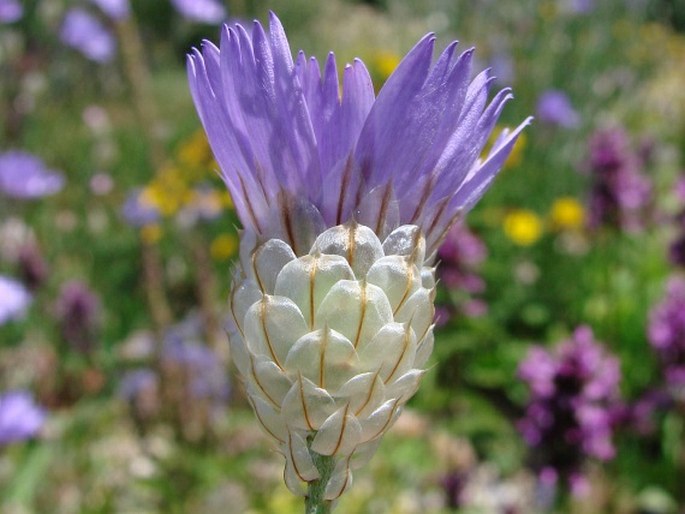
[314,501]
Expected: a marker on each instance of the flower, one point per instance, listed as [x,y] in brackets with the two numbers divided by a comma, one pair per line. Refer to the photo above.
[666,334]
[10,11]
[20,417]
[620,192]
[25,176]
[344,200]
[78,311]
[14,299]
[115,9]
[204,11]
[523,227]
[460,255]
[567,213]
[85,33]
[555,108]
[138,211]
[572,409]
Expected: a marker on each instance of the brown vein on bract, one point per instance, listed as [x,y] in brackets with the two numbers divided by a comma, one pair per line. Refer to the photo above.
[250,209]
[362,315]
[422,202]
[312,278]
[347,476]
[382,212]
[370,395]
[322,357]
[342,430]
[352,243]
[407,289]
[347,173]
[405,339]
[292,457]
[261,421]
[304,403]
[392,413]
[235,318]
[259,384]
[288,224]
[254,269]
[262,317]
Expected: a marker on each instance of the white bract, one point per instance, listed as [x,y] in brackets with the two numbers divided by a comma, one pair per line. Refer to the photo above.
[332,344]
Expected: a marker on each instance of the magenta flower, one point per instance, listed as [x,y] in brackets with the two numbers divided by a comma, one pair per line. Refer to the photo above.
[25,176]
[573,406]
[20,417]
[85,33]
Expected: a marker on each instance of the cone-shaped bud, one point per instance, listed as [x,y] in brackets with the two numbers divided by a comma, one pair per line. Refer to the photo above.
[331,344]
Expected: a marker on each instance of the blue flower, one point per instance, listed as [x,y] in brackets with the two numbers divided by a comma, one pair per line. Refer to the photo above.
[14,299]
[294,151]
[25,176]
[85,33]
[203,11]
[20,417]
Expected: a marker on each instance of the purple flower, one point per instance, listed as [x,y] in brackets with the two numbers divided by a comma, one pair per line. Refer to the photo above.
[25,176]
[572,409]
[666,334]
[14,299]
[136,212]
[294,152]
[10,11]
[554,108]
[33,268]
[203,11]
[78,312]
[115,9]
[85,33]
[620,193]
[460,255]
[20,417]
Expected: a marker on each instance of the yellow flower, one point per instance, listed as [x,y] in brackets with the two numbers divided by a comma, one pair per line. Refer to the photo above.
[567,213]
[384,63]
[523,227]
[224,247]
[151,234]
[194,151]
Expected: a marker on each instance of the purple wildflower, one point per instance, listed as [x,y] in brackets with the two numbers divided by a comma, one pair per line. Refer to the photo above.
[10,11]
[460,255]
[115,9]
[136,212]
[85,33]
[554,108]
[571,413]
[25,176]
[78,312]
[20,417]
[620,192]
[203,11]
[33,268]
[293,152]
[14,299]
[666,334]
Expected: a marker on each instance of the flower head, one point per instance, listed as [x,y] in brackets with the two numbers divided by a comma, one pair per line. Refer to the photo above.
[25,176]
[203,11]
[10,11]
[290,146]
[20,417]
[573,404]
[83,32]
[78,312]
[344,200]
[14,299]
[555,108]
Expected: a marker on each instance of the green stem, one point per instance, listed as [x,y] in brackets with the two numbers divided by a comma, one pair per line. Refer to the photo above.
[314,501]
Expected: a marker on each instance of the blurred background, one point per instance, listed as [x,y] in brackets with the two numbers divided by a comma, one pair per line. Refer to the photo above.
[558,378]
